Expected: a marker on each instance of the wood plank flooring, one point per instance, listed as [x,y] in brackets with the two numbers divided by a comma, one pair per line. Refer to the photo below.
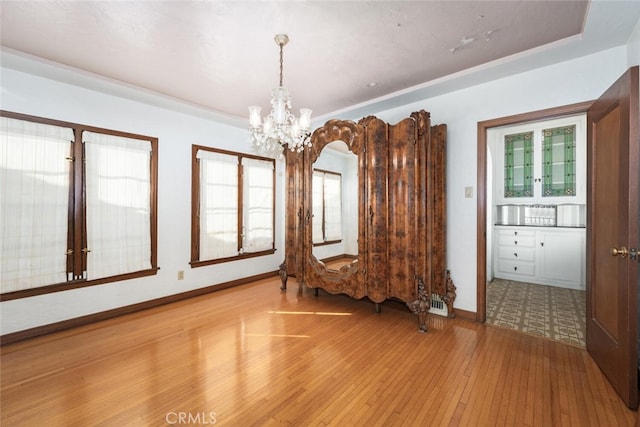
[253,356]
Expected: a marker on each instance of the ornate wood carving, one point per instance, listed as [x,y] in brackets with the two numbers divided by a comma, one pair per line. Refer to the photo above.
[401,235]
[420,307]
[283,276]
[422,119]
[347,280]
[450,295]
[336,130]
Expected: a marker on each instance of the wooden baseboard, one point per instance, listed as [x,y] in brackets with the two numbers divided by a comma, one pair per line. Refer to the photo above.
[120,311]
[466,315]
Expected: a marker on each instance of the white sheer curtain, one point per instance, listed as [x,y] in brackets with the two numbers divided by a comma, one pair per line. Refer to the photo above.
[118,204]
[218,205]
[317,206]
[333,206]
[34,200]
[257,204]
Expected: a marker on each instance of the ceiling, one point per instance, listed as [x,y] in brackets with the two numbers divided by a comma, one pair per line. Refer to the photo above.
[343,58]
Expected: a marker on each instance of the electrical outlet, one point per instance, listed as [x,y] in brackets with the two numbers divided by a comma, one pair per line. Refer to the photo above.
[468,192]
[180,275]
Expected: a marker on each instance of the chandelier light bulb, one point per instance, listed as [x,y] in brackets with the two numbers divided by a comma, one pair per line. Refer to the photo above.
[254,116]
[280,128]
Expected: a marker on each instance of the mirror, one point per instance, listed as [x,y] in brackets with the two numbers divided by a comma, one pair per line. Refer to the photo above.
[334,204]
[334,265]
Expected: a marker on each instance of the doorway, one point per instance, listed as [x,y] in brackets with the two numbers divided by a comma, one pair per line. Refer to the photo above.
[612,297]
[482,179]
[536,228]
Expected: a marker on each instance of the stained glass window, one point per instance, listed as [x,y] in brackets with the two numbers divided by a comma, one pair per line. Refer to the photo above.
[559,161]
[518,165]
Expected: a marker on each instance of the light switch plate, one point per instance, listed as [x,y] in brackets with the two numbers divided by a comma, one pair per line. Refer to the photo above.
[468,192]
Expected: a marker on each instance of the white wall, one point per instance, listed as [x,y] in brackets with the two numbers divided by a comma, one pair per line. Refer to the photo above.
[565,83]
[28,94]
[633,47]
[561,84]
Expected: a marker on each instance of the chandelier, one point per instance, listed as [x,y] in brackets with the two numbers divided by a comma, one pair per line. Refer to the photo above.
[280,128]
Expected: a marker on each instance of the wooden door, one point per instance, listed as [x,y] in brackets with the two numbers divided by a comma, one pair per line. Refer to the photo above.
[612,228]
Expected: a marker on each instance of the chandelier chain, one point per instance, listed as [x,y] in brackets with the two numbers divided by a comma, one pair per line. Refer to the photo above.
[281,63]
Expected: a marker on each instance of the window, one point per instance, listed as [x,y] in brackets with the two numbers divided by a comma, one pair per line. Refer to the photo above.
[118,204]
[77,205]
[327,207]
[559,161]
[518,165]
[233,204]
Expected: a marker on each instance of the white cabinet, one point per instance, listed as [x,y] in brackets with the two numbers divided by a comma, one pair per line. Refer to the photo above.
[544,255]
[540,163]
[515,254]
[562,253]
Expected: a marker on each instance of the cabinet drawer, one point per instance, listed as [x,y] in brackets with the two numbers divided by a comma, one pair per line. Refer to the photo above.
[516,253]
[527,240]
[516,267]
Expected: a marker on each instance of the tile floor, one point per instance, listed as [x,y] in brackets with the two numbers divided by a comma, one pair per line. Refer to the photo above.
[552,312]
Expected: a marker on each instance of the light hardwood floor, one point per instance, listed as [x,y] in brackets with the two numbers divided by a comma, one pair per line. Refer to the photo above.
[252,355]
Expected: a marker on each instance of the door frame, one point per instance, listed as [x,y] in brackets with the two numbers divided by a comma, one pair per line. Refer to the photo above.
[481,238]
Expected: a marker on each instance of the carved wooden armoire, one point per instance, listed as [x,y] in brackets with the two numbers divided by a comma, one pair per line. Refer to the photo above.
[401,242]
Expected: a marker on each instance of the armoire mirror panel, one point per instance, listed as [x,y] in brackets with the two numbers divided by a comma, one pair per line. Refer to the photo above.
[334,219]
[349,278]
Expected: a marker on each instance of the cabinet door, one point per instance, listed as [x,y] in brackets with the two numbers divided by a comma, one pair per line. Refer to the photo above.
[541,162]
[559,161]
[562,258]
[563,161]
[294,227]
[514,161]
[403,244]
[437,215]
[376,216]
[518,165]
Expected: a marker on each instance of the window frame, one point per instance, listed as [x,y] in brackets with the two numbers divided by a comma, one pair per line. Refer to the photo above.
[195,207]
[76,230]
